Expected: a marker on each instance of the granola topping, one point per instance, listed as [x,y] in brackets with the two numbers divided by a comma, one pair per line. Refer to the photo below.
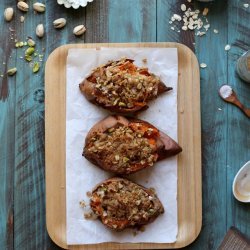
[124,202]
[124,84]
[131,147]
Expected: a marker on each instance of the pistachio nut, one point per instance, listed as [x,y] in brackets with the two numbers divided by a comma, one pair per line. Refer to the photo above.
[59,23]
[39,7]
[12,71]
[29,51]
[79,30]
[40,30]
[31,43]
[36,67]
[23,6]
[8,14]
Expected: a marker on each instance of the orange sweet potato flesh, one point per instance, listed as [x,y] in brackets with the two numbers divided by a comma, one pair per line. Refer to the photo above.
[161,144]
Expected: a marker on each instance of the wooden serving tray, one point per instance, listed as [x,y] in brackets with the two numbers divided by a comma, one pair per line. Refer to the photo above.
[189,137]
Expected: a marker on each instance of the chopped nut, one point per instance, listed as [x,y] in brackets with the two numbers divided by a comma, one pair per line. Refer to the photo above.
[205,11]
[12,72]
[22,19]
[82,204]
[36,67]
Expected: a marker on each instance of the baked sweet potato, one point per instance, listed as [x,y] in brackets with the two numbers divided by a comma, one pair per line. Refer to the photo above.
[120,203]
[124,145]
[122,87]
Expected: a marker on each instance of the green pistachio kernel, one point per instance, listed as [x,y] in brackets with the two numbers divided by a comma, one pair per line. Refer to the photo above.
[28,58]
[29,51]
[36,67]
[12,71]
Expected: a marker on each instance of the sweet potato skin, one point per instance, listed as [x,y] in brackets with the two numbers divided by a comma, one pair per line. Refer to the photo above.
[161,143]
[121,224]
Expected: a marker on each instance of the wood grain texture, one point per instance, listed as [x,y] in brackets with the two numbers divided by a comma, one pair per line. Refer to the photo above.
[238,143]
[225,133]
[132,21]
[29,204]
[189,162]
[214,127]
[7,134]
[165,10]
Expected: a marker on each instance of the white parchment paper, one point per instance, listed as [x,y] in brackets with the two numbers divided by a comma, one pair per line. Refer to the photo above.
[82,176]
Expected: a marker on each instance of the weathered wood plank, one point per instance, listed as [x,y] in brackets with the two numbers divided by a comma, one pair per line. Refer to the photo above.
[165,10]
[29,199]
[238,146]
[210,50]
[7,132]
[97,22]
[132,21]
[7,158]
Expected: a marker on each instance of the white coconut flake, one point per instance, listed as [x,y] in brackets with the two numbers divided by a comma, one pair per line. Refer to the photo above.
[203,65]
[227,47]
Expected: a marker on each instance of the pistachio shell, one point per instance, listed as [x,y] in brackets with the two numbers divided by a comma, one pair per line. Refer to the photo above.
[40,30]
[79,30]
[23,6]
[8,14]
[59,23]
[39,7]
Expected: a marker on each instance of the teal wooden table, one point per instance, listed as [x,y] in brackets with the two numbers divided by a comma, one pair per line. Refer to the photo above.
[225,130]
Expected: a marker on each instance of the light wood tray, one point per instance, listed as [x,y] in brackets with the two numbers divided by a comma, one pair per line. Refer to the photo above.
[189,137]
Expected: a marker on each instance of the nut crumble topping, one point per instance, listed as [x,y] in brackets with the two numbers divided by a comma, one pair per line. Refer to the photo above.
[132,147]
[122,84]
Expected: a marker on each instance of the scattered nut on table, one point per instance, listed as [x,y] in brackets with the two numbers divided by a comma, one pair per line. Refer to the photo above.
[59,23]
[39,7]
[12,71]
[40,30]
[23,6]
[8,14]
[31,42]
[79,30]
